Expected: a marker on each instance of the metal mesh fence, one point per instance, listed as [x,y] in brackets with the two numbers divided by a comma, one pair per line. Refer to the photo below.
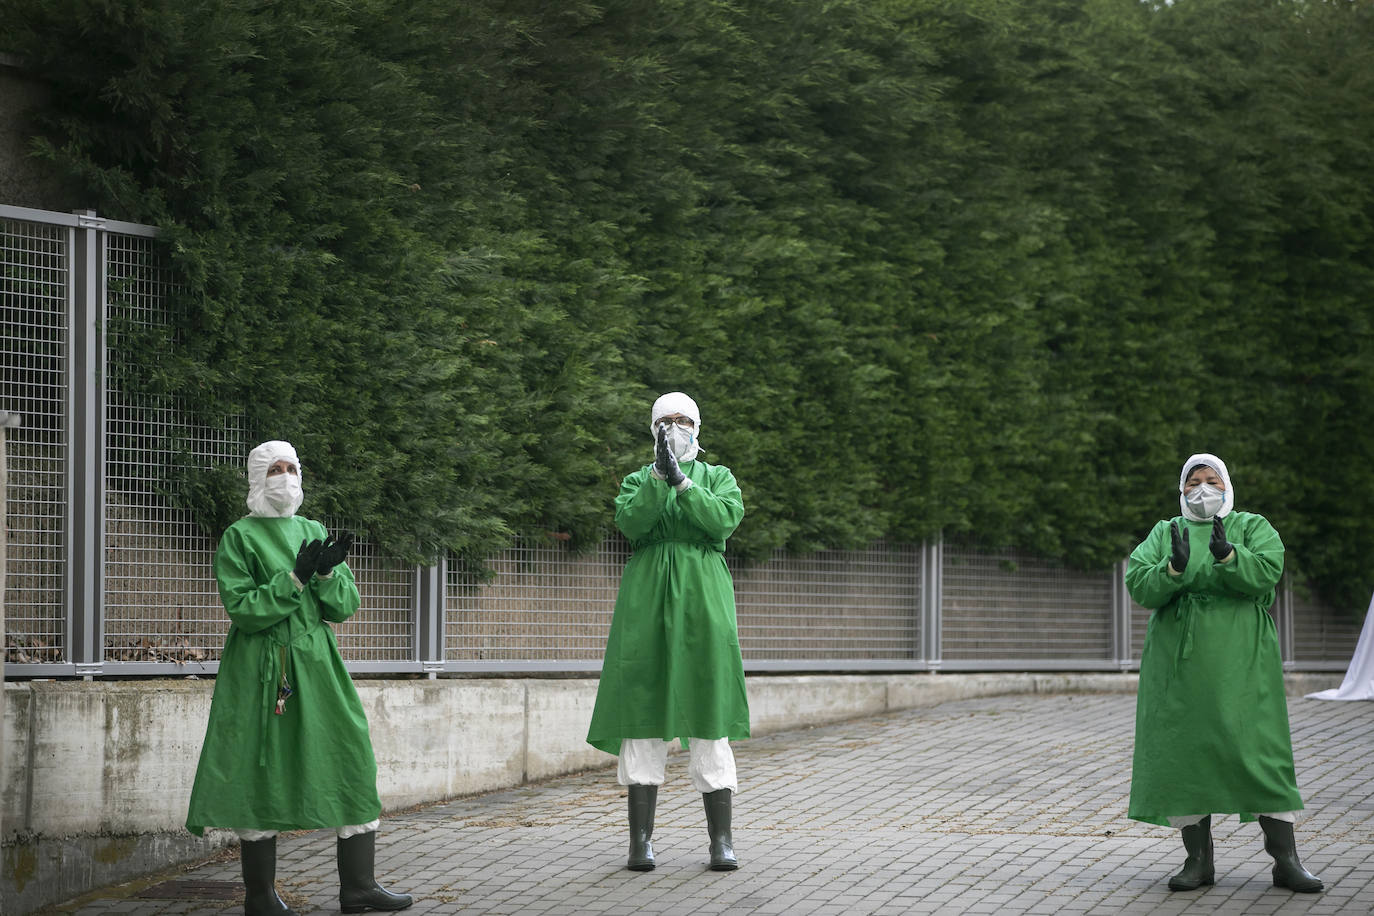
[34,272]
[545,602]
[161,604]
[837,604]
[1321,633]
[1012,605]
[383,629]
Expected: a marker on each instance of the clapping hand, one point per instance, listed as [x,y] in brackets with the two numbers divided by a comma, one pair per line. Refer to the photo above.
[1179,547]
[307,558]
[332,552]
[1220,547]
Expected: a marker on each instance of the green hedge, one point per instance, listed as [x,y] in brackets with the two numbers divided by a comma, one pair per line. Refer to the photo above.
[987,267]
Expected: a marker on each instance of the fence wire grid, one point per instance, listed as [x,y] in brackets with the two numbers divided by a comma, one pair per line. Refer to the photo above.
[155,609]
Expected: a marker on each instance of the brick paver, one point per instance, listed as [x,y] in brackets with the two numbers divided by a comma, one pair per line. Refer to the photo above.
[1002,805]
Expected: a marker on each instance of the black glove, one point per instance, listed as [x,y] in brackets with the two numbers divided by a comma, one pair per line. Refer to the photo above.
[665,462]
[306,559]
[1178,554]
[1220,547]
[333,552]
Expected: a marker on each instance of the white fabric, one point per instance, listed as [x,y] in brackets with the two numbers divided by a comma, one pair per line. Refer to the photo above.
[686,481]
[281,498]
[675,402]
[1188,820]
[671,403]
[642,762]
[352,830]
[1205,500]
[283,492]
[1359,677]
[682,443]
[1216,464]
[711,765]
[358,829]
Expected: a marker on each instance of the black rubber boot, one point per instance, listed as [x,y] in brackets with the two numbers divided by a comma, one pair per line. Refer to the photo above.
[259,861]
[643,800]
[1197,868]
[358,887]
[718,826]
[1288,871]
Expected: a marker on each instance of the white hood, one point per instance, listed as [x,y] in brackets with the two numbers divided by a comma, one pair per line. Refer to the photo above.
[1216,464]
[259,460]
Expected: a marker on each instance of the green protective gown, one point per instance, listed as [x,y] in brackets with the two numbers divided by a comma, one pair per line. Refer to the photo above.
[1211,726]
[311,766]
[672,667]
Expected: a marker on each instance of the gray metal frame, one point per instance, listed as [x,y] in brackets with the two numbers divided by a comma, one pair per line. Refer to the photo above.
[1121,620]
[899,608]
[86,458]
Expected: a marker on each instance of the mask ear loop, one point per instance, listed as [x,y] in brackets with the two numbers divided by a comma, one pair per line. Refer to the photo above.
[694,441]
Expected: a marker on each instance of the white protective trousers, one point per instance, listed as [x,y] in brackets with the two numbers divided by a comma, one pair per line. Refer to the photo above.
[711,765]
[344,833]
[1187,820]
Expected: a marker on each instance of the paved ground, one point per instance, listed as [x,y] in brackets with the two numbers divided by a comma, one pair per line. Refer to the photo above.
[1004,805]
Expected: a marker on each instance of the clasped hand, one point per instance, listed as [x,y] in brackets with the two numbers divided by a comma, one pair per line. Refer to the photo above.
[665,462]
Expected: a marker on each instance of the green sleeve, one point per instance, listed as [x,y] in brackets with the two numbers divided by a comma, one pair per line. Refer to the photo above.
[1147,573]
[251,607]
[337,594]
[715,507]
[640,504]
[1258,564]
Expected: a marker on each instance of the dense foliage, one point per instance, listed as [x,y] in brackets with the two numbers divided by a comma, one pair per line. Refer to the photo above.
[987,267]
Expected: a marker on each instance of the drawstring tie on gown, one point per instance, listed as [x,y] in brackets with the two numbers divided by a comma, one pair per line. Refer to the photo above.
[276,688]
[1186,613]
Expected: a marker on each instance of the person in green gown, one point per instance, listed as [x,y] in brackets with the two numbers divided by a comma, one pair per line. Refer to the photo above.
[672,668]
[287,744]
[1211,730]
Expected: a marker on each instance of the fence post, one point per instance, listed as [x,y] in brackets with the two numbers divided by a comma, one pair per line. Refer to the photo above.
[430,600]
[1283,621]
[7,421]
[932,589]
[86,453]
[1121,618]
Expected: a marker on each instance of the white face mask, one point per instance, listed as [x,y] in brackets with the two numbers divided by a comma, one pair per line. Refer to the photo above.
[283,492]
[1205,500]
[682,443]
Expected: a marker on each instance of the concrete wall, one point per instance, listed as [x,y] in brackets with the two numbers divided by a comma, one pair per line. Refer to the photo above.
[96,775]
